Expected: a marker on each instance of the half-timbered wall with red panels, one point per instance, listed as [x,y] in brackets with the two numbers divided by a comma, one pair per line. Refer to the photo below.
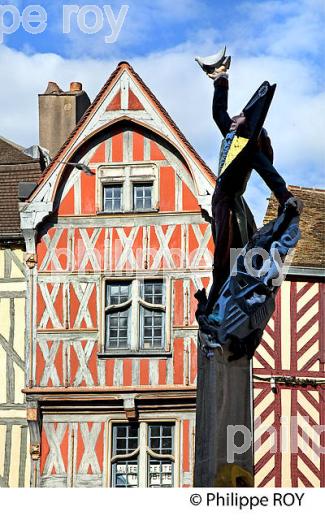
[289,436]
[76,449]
[83,248]
[77,251]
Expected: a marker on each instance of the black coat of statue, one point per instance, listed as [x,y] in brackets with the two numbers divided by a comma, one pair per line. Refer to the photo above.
[233,224]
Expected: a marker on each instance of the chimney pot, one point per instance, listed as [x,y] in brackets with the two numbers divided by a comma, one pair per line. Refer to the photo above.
[75,86]
[53,88]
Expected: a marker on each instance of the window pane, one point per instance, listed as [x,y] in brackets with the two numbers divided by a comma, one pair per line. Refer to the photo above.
[153,321]
[153,328]
[167,430]
[153,291]
[112,197]
[155,431]
[117,293]
[117,321]
[120,431]
[125,474]
[125,439]
[155,444]
[120,445]
[167,444]
[161,439]
[133,430]
[160,473]
[133,443]
[142,196]
[117,329]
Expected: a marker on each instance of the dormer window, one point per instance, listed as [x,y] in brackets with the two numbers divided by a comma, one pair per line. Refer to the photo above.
[127,188]
[112,197]
[142,196]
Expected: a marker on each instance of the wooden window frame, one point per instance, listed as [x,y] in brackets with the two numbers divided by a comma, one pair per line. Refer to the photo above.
[135,331]
[112,184]
[144,451]
[128,175]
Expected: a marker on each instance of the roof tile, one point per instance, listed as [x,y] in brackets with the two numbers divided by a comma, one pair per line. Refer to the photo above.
[310,251]
[15,167]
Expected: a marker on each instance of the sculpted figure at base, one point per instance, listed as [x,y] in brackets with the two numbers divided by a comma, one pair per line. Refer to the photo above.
[245,146]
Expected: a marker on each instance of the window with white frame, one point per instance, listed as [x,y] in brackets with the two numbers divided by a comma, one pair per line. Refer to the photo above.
[112,197]
[143,454]
[128,188]
[142,196]
[135,315]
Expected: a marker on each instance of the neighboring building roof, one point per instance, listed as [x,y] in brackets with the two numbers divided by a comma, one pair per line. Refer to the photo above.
[11,153]
[310,251]
[15,145]
[97,101]
[15,167]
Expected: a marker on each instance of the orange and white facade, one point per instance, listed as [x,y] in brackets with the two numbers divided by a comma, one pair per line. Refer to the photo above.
[111,391]
[114,261]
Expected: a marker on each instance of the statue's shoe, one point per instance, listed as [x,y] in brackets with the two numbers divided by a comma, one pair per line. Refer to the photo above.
[214,61]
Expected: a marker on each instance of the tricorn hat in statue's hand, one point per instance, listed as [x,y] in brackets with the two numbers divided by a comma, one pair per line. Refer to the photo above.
[215,61]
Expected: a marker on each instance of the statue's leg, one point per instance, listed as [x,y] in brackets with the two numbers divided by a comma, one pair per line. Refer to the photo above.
[251,224]
[223,240]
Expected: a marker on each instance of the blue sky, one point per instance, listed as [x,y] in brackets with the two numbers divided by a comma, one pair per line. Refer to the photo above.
[278,40]
[153,26]
[149,25]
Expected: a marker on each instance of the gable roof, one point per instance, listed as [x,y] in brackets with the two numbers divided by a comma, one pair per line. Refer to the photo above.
[12,153]
[310,251]
[107,87]
[15,167]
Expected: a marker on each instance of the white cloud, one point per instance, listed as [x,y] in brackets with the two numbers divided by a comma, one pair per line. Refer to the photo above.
[288,28]
[28,75]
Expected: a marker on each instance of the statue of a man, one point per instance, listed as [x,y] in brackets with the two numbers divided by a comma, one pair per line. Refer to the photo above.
[232,221]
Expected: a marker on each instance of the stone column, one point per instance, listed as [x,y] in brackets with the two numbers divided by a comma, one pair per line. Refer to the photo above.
[224,403]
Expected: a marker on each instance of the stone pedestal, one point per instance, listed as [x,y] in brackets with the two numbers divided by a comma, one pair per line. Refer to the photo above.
[224,404]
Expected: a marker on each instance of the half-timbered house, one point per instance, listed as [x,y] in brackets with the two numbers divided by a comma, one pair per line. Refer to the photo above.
[289,364]
[117,246]
[15,167]
[119,254]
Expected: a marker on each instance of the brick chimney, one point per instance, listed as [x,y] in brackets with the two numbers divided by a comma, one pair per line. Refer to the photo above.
[59,112]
